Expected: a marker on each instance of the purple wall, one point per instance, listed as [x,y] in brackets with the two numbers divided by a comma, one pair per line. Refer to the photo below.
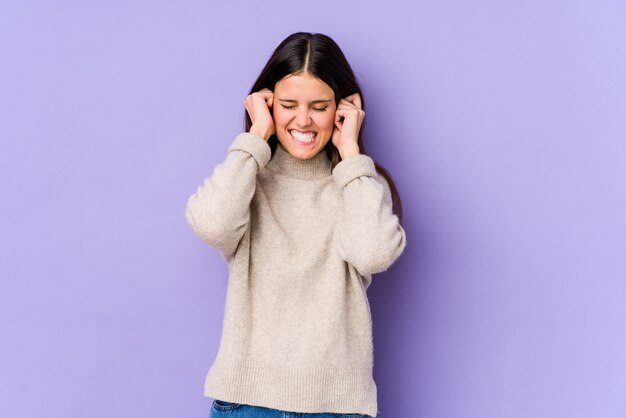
[504,126]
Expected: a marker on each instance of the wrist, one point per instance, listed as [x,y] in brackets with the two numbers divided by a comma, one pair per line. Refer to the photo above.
[263,133]
[349,151]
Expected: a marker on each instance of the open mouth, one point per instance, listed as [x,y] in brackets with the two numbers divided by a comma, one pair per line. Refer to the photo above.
[305,138]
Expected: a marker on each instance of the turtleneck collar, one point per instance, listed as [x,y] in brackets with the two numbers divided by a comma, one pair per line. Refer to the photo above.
[316,167]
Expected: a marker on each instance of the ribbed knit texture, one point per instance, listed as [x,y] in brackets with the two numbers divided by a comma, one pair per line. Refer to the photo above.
[302,241]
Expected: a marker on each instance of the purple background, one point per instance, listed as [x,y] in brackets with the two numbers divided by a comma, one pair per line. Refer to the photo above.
[503,123]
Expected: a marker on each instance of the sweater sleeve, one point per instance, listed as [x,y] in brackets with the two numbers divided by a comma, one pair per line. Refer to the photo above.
[370,235]
[219,211]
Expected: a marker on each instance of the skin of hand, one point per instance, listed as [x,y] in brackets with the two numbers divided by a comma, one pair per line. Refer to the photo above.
[346,133]
[258,105]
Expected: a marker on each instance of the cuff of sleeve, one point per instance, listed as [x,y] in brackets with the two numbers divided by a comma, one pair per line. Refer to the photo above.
[254,145]
[353,167]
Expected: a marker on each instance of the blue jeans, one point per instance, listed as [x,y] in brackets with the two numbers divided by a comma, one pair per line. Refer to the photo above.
[223,409]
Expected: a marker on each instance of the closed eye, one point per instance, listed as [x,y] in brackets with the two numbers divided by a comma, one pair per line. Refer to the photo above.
[315,108]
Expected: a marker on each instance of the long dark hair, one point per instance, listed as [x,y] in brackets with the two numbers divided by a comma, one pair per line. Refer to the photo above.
[321,57]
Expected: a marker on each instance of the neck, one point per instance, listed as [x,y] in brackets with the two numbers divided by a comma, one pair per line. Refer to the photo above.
[283,162]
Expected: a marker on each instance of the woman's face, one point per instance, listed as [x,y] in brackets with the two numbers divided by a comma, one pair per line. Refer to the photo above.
[304,114]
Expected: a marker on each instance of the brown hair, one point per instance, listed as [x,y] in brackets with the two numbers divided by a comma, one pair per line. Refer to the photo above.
[320,56]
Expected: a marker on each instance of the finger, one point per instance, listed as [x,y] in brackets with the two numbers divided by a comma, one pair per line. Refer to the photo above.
[357,100]
[354,100]
[351,97]
[267,96]
[265,93]
[347,104]
[349,112]
[338,116]
[270,100]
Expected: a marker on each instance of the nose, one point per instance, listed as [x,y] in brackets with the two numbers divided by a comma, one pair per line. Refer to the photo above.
[303,117]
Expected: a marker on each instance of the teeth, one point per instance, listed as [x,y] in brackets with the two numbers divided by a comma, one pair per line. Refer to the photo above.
[308,137]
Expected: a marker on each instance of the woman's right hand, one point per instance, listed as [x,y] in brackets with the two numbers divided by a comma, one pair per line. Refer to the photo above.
[258,105]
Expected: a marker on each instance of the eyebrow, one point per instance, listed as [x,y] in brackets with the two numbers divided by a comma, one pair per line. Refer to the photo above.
[314,101]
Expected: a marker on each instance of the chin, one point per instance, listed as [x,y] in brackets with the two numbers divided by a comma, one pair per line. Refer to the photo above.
[301,150]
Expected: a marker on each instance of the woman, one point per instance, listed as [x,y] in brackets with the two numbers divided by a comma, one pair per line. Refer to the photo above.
[303,217]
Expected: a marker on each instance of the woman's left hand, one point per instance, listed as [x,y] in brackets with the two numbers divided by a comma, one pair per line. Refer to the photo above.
[346,133]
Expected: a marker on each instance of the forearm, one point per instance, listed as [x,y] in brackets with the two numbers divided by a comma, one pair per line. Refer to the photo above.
[219,211]
[370,235]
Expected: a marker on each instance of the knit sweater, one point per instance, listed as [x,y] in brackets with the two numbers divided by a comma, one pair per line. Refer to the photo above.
[302,240]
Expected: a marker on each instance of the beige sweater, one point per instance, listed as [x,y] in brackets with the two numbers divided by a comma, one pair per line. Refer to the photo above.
[301,240]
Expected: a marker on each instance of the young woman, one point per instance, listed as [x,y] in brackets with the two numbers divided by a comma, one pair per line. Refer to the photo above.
[303,217]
